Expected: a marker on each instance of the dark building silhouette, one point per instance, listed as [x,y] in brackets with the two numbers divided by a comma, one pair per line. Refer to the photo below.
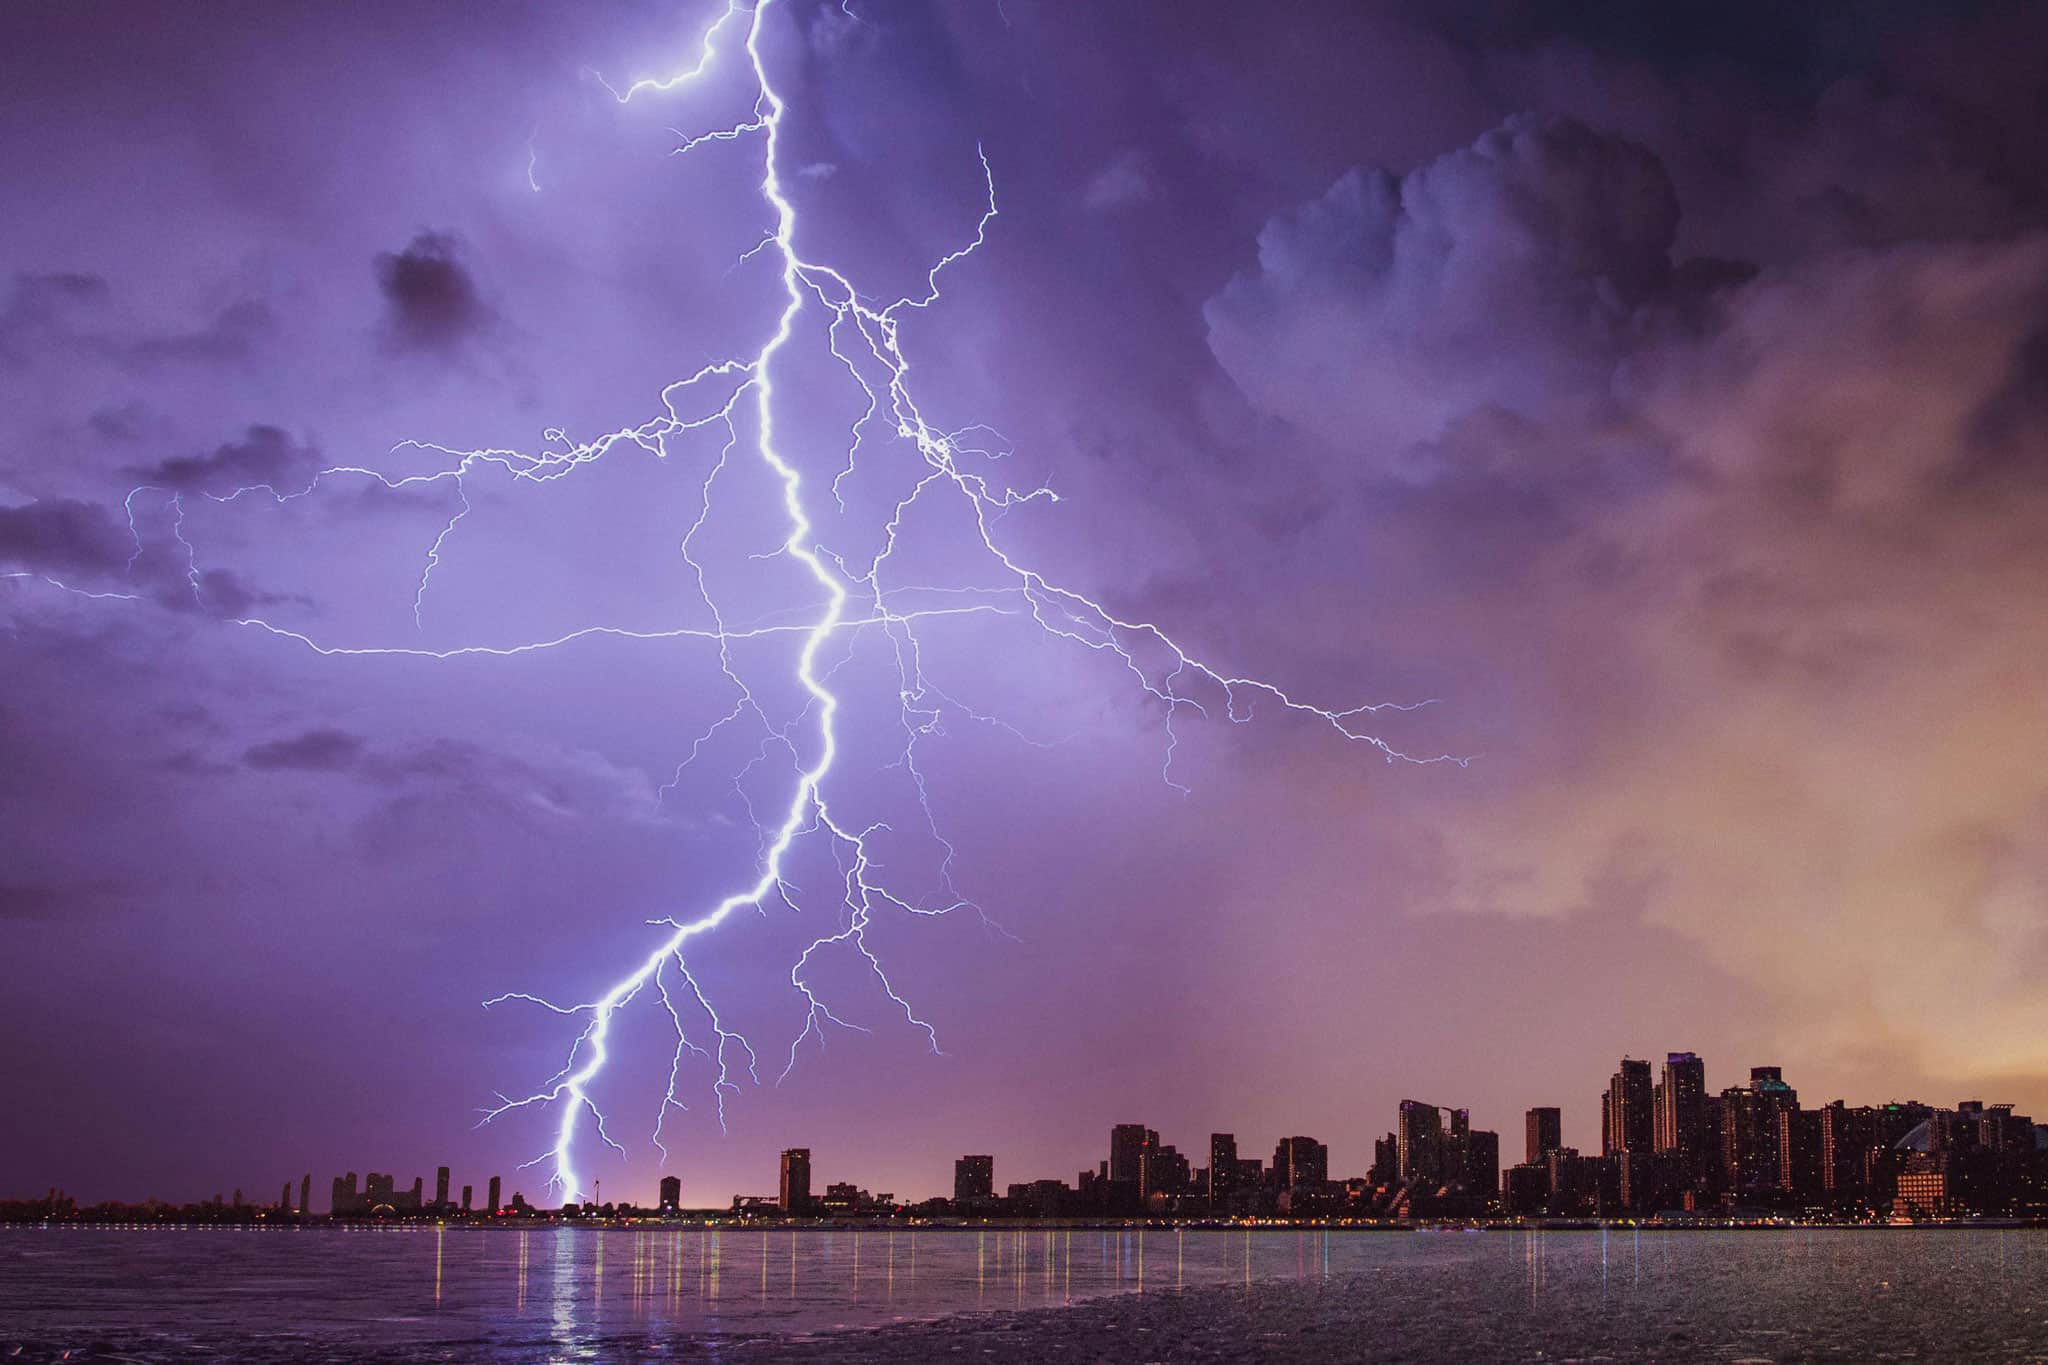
[1848,1138]
[1162,1170]
[1525,1189]
[1386,1161]
[465,1198]
[1750,1152]
[380,1196]
[495,1205]
[1482,1162]
[1583,1186]
[846,1197]
[974,1179]
[1681,1111]
[671,1193]
[1442,1164]
[1222,1165]
[1800,1155]
[1545,1134]
[1301,1163]
[441,1187]
[796,1180]
[1646,1182]
[1418,1137]
[306,1193]
[1128,1143]
[1627,1117]
[1042,1198]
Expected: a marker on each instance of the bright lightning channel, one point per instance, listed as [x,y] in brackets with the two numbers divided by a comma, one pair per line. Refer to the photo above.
[865,338]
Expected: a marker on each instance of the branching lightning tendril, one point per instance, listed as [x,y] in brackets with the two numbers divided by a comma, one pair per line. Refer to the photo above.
[865,338]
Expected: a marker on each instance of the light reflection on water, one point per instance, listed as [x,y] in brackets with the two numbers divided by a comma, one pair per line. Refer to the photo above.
[554,1289]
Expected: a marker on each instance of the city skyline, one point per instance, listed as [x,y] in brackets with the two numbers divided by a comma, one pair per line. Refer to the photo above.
[1667,1135]
[1641,406]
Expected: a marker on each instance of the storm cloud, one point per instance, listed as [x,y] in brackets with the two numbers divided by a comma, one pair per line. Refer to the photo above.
[431,302]
[1663,395]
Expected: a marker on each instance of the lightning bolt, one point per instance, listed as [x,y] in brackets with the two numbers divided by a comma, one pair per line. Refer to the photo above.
[865,337]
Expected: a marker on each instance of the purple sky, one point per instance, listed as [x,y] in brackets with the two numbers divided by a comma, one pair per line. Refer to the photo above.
[1667,398]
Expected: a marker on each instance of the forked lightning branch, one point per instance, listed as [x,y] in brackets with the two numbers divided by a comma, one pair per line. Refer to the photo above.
[738,401]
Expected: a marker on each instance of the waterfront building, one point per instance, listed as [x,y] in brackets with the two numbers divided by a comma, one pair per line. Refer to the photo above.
[1799,1155]
[1750,1153]
[1301,1163]
[1128,1143]
[1222,1165]
[974,1179]
[1679,1129]
[1627,1117]
[796,1180]
[1419,1139]
[1545,1134]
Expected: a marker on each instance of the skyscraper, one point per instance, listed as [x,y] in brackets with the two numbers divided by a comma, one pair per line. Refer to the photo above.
[1162,1169]
[1128,1143]
[1750,1150]
[1386,1160]
[796,1180]
[441,1188]
[974,1179]
[495,1205]
[671,1193]
[1627,1123]
[1482,1163]
[1222,1164]
[1680,1129]
[306,1193]
[1800,1153]
[1419,1138]
[1545,1134]
[466,1189]
[1301,1163]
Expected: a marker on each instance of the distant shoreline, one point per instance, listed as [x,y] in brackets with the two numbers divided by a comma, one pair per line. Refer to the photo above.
[834,1225]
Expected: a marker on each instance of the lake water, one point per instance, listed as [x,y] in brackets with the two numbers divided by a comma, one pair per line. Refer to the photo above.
[573,1294]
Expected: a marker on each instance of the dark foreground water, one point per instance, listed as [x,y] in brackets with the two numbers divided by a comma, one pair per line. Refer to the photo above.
[1010,1295]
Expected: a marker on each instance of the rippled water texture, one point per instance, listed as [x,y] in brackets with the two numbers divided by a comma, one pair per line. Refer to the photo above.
[560,1294]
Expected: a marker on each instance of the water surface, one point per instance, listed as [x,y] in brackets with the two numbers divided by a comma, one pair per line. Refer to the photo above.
[568,1294]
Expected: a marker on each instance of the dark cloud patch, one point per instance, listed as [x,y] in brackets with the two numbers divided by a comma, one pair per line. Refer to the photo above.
[62,535]
[431,300]
[194,763]
[71,312]
[220,593]
[266,456]
[1518,273]
[119,421]
[51,296]
[321,750]
[232,335]
[2009,434]
[39,306]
